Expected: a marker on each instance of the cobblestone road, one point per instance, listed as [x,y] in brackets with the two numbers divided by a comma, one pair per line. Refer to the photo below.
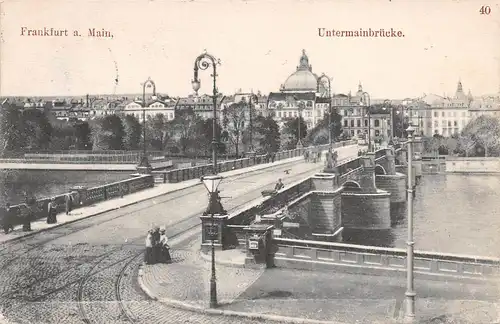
[84,272]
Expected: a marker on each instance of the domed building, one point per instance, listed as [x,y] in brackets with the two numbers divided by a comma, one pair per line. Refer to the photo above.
[299,94]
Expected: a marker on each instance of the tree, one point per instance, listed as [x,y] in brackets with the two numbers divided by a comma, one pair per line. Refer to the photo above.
[204,135]
[291,132]
[234,122]
[82,135]
[267,134]
[37,129]
[133,132]
[160,131]
[484,132]
[11,128]
[107,133]
[184,125]
[319,134]
[63,135]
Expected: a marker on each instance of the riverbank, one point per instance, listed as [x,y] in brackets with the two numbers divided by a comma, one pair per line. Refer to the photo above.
[472,165]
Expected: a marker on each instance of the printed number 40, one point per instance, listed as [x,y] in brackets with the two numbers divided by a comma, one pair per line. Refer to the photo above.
[485,10]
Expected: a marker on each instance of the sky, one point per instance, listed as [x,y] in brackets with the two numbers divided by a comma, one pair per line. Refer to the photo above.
[259,44]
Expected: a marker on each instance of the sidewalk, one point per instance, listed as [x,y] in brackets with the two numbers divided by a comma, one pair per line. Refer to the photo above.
[134,198]
[296,296]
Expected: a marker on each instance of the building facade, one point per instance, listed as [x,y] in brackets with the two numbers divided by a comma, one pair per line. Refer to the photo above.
[297,96]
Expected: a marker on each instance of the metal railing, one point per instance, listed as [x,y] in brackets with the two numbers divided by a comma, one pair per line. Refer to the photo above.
[82,197]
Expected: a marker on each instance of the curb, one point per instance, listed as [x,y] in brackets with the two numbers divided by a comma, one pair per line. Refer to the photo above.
[29,234]
[221,312]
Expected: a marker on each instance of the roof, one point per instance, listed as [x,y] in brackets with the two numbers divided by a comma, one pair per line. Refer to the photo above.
[282,96]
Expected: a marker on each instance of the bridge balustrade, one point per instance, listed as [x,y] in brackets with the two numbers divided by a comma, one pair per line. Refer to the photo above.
[87,196]
[311,254]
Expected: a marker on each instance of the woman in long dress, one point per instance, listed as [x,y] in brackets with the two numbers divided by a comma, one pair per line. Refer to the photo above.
[52,212]
[165,248]
[148,256]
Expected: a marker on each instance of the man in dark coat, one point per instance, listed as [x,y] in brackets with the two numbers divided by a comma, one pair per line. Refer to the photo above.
[69,203]
[8,219]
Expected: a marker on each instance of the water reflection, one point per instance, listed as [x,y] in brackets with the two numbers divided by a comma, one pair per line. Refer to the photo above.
[455,214]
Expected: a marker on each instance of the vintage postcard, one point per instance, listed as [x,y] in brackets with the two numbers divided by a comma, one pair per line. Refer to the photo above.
[251,161]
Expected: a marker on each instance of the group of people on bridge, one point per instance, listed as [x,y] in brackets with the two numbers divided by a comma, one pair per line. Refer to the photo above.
[157,248]
[312,156]
[13,216]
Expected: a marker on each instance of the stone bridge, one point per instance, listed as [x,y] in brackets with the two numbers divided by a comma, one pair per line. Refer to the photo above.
[357,193]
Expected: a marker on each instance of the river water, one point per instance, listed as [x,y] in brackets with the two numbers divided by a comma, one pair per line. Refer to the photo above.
[452,214]
[13,183]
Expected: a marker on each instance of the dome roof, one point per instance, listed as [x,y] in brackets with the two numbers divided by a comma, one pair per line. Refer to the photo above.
[303,79]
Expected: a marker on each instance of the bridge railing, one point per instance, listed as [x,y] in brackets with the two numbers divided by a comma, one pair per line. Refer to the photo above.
[178,175]
[302,253]
[270,204]
[84,197]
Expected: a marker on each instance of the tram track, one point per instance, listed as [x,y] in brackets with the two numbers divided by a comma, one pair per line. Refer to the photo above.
[93,285]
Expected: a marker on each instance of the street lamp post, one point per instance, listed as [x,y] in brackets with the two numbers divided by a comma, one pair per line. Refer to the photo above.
[324,76]
[299,141]
[391,119]
[410,291]
[251,148]
[203,62]
[214,207]
[145,165]
[367,95]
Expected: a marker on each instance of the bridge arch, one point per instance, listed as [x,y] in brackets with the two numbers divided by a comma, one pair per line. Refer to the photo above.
[379,169]
[351,185]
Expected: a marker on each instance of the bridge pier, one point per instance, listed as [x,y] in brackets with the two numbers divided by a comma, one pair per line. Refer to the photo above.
[366,207]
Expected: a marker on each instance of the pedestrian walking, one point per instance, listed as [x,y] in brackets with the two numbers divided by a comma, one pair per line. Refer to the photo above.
[52,212]
[148,256]
[273,157]
[8,219]
[165,248]
[68,200]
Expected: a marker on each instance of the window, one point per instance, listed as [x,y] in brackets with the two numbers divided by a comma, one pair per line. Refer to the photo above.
[377,132]
[436,124]
[377,123]
[345,122]
[435,114]
[449,123]
[309,104]
[442,114]
[463,113]
[358,123]
[455,123]
[366,122]
[443,123]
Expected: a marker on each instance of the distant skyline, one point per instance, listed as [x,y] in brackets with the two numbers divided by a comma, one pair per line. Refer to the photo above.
[258,42]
